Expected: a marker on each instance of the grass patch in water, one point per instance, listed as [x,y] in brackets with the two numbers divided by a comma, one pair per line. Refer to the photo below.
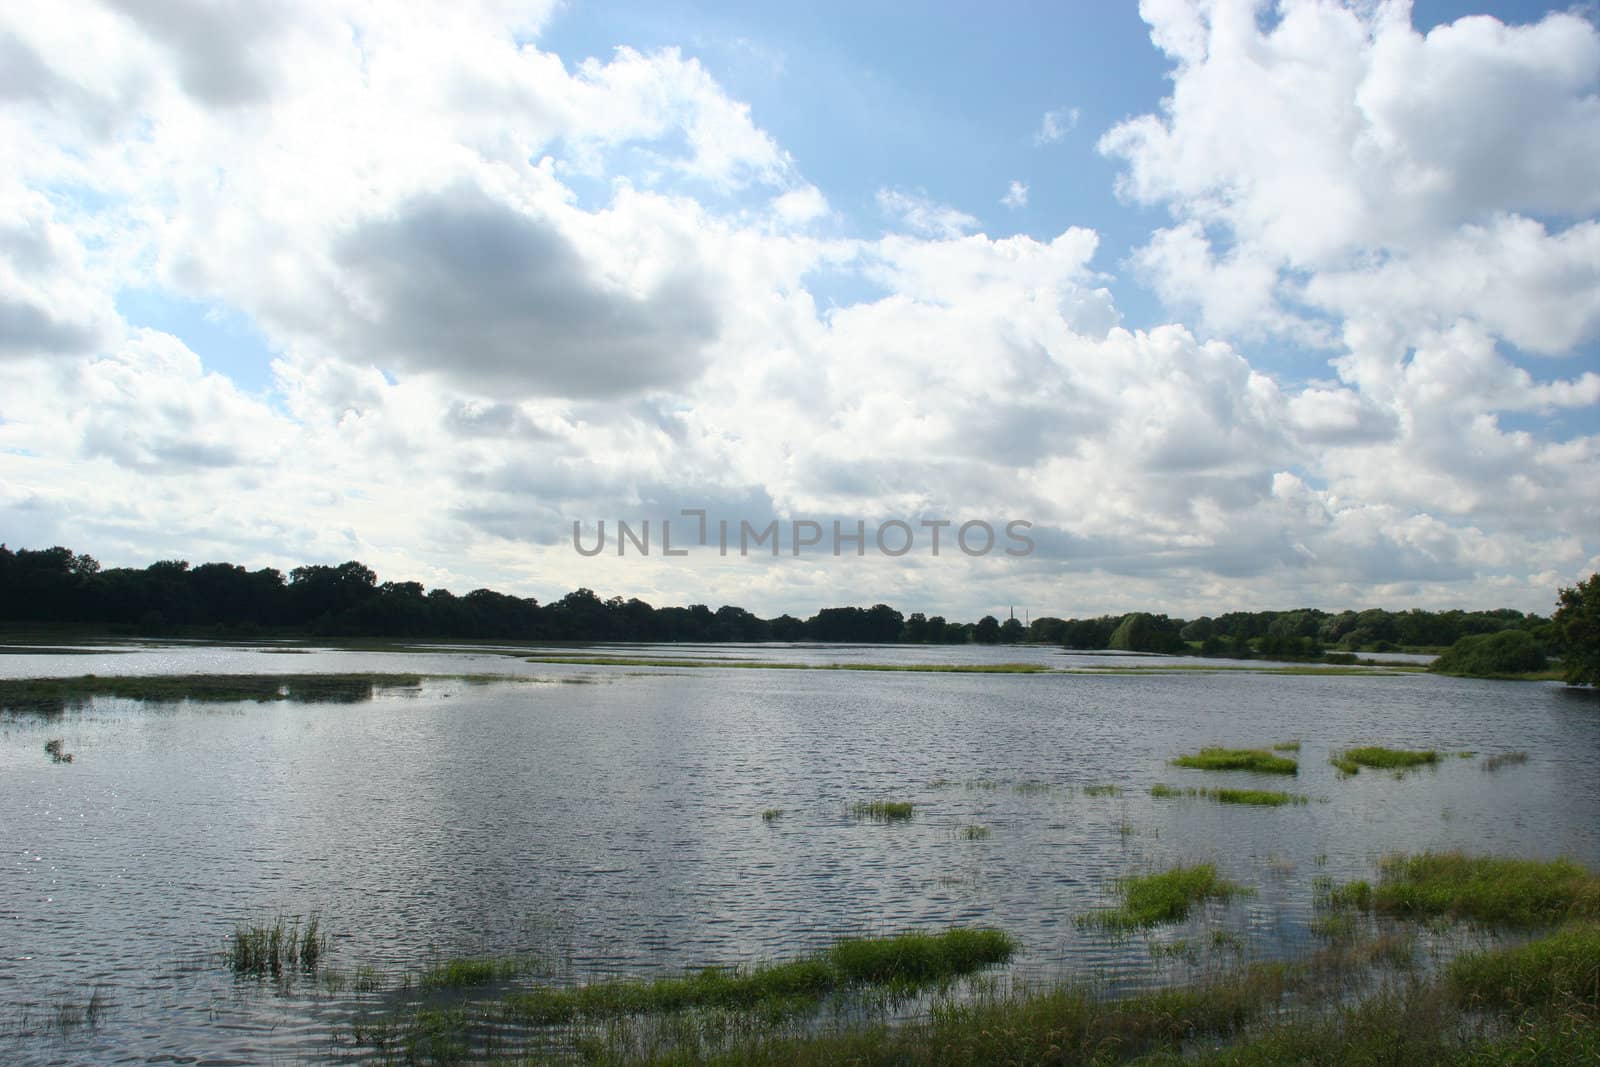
[883,810]
[275,948]
[1351,760]
[1265,798]
[1287,746]
[1166,896]
[1102,791]
[974,832]
[1237,759]
[772,815]
[1486,889]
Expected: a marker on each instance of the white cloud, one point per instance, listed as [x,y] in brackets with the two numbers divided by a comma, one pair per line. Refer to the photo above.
[923,216]
[508,291]
[1016,195]
[1055,125]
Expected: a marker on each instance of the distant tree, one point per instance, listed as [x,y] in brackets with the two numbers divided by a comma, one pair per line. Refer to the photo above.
[987,632]
[1577,627]
[1012,632]
[1142,632]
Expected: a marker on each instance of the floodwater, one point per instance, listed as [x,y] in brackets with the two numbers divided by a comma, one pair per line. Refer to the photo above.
[612,816]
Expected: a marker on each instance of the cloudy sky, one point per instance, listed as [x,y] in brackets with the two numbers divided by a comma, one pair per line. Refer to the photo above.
[1240,305]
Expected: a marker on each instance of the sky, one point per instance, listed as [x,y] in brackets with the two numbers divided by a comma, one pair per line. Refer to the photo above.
[1236,305]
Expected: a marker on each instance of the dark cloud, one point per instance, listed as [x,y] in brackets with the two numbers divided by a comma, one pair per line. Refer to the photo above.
[459,284]
[221,49]
[26,329]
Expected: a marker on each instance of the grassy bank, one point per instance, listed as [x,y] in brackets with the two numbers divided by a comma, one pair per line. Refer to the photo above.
[53,694]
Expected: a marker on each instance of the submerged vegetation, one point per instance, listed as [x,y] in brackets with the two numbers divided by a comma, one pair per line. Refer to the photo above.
[1504,759]
[1256,797]
[1165,896]
[1237,759]
[1351,760]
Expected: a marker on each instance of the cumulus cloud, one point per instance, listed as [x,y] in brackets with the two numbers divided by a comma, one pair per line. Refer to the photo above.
[1334,152]
[524,290]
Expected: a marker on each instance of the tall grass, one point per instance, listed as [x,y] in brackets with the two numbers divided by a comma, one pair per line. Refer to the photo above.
[275,948]
[1237,759]
[883,810]
[1504,759]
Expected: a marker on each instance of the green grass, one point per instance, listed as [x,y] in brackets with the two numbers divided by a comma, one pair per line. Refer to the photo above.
[1486,889]
[772,665]
[1265,798]
[772,815]
[1102,791]
[1351,760]
[974,832]
[1561,968]
[1287,746]
[278,947]
[883,810]
[1238,759]
[1162,897]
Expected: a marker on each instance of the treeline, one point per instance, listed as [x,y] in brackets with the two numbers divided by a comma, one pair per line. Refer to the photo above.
[1301,633]
[58,586]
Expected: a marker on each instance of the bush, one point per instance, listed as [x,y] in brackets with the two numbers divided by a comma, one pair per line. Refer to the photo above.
[1492,655]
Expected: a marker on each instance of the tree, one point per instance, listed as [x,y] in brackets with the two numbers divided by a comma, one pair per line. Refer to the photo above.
[1509,652]
[1577,627]
[988,631]
[1012,632]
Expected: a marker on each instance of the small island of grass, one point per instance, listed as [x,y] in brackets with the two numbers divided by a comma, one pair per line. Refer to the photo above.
[1237,759]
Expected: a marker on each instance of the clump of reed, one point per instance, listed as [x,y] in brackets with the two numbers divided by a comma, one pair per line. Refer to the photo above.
[883,810]
[974,832]
[772,815]
[1287,746]
[283,945]
[1237,759]
[1267,798]
[1351,760]
[54,749]
[1102,791]
[1504,759]
[1561,968]
[1161,897]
